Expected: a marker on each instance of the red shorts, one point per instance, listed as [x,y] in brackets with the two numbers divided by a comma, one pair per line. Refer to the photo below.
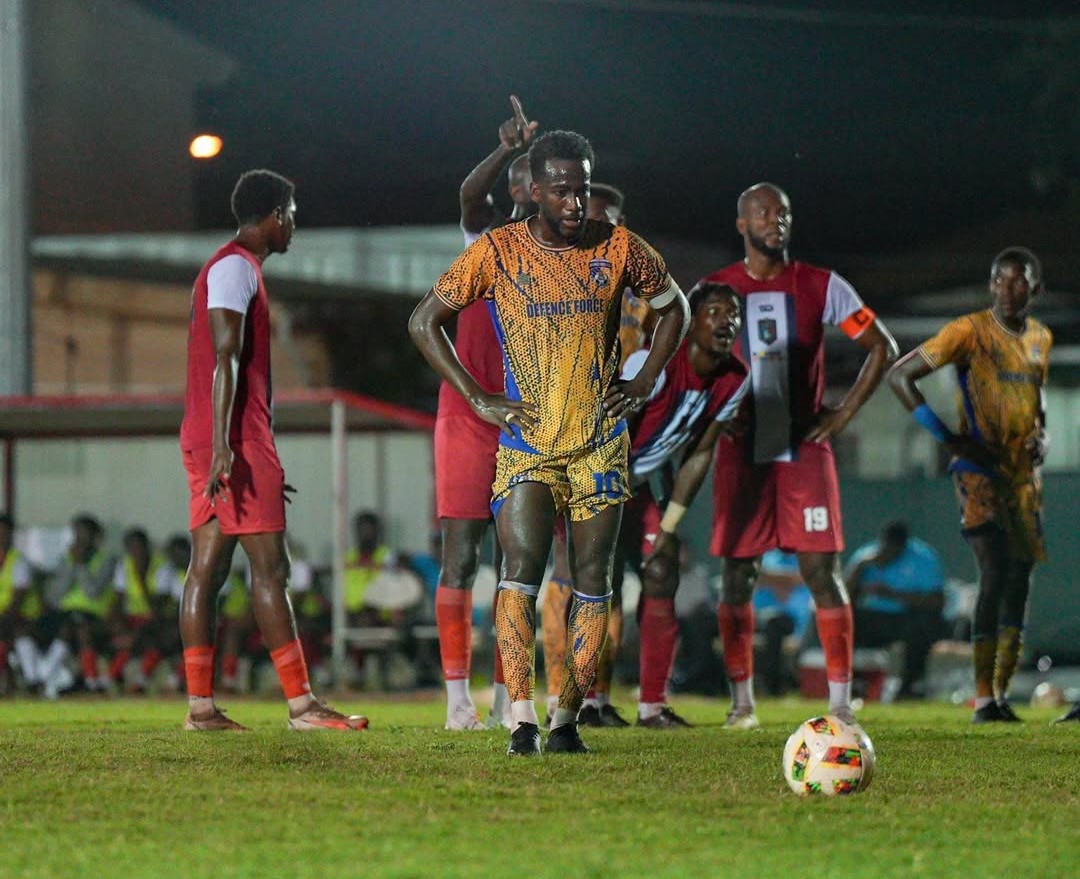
[793,505]
[465,448]
[255,502]
[640,525]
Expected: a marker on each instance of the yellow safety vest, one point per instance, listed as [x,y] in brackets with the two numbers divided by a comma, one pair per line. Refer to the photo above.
[359,576]
[137,603]
[77,600]
[235,602]
[7,579]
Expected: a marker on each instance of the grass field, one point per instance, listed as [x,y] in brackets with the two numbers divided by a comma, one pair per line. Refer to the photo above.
[115,789]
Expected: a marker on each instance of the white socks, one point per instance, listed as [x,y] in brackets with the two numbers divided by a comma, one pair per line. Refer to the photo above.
[742,695]
[523,712]
[562,717]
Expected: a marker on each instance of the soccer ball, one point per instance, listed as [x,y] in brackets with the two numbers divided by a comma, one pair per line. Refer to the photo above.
[827,756]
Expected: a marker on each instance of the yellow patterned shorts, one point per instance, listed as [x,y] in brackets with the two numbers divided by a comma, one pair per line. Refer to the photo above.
[584,483]
[1017,508]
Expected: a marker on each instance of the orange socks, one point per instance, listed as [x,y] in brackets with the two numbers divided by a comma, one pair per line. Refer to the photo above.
[453,618]
[199,671]
[553,625]
[515,628]
[291,669]
[836,629]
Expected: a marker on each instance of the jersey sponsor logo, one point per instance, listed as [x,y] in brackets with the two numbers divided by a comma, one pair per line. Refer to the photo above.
[600,272]
[567,307]
[766,330]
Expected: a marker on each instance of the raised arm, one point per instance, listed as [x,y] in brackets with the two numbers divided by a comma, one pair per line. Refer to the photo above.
[227,332]
[477,206]
[881,350]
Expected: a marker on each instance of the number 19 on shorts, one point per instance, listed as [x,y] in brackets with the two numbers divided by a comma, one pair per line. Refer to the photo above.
[816,518]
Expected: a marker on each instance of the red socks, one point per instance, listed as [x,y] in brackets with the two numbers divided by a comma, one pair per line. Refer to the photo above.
[737,632]
[836,630]
[291,669]
[659,633]
[199,671]
[150,660]
[453,617]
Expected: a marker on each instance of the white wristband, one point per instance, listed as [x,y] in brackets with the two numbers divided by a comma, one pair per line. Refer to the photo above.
[671,518]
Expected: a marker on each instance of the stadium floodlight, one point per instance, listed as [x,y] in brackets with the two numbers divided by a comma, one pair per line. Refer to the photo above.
[205,146]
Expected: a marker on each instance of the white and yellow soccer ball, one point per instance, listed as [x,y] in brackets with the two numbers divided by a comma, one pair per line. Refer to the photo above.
[827,756]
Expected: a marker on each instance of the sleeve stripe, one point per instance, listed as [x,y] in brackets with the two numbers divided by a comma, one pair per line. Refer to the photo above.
[732,405]
[446,301]
[928,357]
[855,324]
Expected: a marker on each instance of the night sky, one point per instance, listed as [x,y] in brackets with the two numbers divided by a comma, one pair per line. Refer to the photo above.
[887,130]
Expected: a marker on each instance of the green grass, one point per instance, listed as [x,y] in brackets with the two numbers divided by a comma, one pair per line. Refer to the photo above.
[115,789]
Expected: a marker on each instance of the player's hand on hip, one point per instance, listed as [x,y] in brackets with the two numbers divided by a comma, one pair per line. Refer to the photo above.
[624,398]
[507,414]
[217,485]
[829,423]
[517,132]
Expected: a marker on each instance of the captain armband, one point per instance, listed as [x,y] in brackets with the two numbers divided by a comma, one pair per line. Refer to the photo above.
[856,323]
[672,516]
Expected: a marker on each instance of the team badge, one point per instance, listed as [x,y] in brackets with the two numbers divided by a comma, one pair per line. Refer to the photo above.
[766,330]
[599,271]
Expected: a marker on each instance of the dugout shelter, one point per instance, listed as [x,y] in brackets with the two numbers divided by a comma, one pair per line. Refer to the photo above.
[113,451]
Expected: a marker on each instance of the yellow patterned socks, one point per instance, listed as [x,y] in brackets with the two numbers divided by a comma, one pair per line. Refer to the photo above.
[585,637]
[515,629]
[553,623]
[1010,640]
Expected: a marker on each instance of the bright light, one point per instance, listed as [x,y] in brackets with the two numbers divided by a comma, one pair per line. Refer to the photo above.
[205,146]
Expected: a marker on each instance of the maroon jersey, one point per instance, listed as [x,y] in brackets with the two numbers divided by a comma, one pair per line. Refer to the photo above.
[680,408]
[252,420]
[782,344]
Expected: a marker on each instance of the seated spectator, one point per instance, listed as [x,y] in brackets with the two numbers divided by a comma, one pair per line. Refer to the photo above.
[783,608]
[897,586]
[141,618]
[82,602]
[16,578]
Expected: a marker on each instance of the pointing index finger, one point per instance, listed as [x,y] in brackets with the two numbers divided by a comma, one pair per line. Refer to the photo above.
[519,113]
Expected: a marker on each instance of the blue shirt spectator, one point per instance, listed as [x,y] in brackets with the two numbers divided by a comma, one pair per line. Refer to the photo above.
[914,568]
[780,589]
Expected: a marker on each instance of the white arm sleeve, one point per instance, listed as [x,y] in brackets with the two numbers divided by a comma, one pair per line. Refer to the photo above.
[841,301]
[231,283]
[120,578]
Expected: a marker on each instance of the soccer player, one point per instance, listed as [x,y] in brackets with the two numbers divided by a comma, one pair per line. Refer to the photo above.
[465,444]
[606,204]
[1002,357]
[554,285]
[777,488]
[693,404]
[237,486]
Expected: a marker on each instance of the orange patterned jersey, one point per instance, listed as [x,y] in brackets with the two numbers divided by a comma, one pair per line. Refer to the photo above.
[1001,377]
[557,315]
